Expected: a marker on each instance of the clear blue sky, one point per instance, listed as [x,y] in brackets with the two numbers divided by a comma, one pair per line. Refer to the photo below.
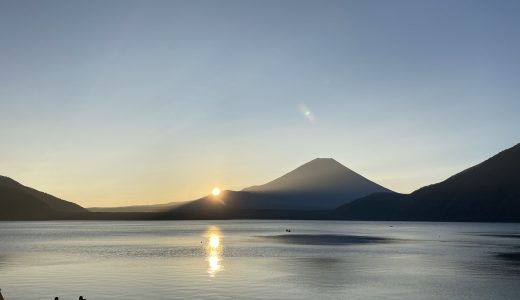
[136,102]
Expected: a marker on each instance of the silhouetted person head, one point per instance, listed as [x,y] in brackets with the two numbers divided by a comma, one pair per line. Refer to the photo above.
[81,298]
[56,298]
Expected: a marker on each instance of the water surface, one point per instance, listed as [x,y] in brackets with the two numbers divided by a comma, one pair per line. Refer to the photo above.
[253,259]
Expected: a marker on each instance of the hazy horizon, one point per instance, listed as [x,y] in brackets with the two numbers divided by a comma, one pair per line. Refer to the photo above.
[128,103]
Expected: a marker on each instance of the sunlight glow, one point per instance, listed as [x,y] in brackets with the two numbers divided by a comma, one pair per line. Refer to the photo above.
[214,250]
[216,191]
[214,264]
[214,241]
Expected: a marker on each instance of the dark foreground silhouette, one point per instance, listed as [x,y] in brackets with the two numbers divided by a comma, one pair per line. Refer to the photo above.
[55,298]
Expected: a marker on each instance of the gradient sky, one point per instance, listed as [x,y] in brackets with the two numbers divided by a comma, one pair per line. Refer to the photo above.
[109,103]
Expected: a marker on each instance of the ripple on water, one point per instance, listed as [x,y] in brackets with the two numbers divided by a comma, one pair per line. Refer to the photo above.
[329,239]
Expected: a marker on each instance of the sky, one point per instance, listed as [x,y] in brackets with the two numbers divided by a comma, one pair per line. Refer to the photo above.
[112,103]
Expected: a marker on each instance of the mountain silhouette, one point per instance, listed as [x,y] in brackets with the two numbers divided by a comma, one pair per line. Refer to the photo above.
[322,178]
[489,191]
[21,202]
[321,184]
[319,189]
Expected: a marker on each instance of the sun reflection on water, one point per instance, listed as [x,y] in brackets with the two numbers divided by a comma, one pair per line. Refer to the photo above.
[213,250]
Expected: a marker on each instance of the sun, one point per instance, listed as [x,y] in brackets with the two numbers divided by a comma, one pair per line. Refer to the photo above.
[216,191]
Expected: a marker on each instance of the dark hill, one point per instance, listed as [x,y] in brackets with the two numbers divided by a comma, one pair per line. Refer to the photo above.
[489,191]
[321,184]
[240,205]
[19,202]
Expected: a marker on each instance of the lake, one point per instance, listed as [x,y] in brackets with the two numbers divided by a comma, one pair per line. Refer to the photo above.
[252,259]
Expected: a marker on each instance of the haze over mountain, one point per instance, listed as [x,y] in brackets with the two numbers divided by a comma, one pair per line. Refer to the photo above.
[489,191]
[21,202]
[320,184]
[138,208]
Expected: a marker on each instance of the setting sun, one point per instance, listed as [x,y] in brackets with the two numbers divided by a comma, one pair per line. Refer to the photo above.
[215,191]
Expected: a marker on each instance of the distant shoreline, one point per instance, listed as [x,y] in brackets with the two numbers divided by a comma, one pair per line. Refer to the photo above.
[242,215]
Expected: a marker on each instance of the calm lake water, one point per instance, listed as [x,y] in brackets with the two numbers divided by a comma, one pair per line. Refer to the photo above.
[259,260]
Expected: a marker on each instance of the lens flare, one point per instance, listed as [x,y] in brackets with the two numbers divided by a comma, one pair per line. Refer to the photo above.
[307,113]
